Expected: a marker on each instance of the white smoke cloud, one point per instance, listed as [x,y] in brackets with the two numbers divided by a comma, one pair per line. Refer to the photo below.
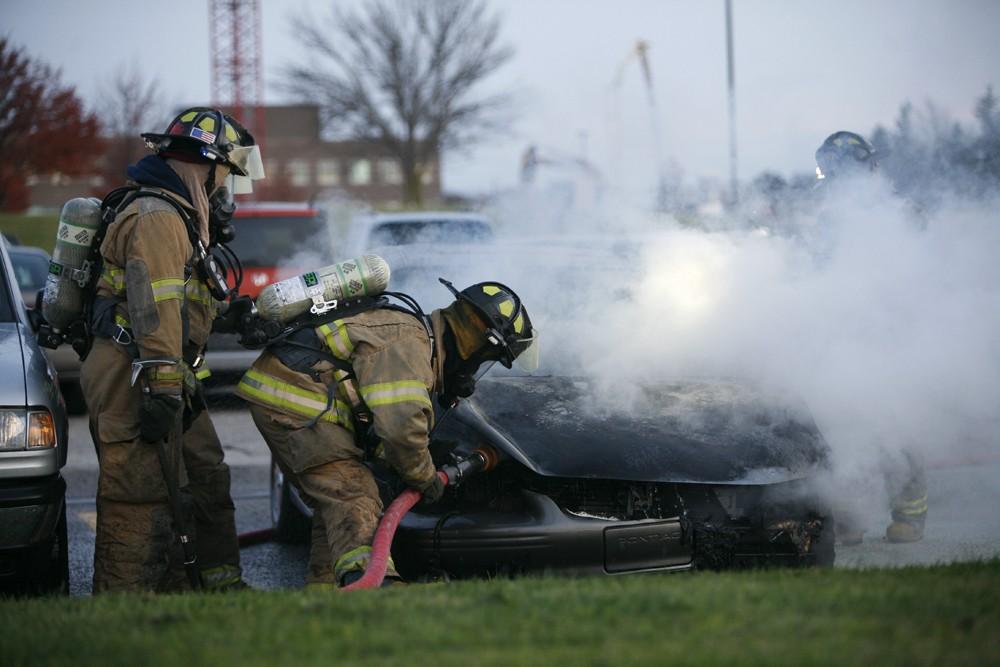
[884,319]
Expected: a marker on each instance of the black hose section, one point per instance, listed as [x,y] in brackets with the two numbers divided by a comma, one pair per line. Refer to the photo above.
[409,301]
[233,264]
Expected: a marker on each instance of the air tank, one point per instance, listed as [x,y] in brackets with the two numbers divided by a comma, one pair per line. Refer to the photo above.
[62,301]
[318,290]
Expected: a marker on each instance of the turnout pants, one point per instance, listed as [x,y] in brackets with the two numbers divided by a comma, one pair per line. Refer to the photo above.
[135,548]
[327,468]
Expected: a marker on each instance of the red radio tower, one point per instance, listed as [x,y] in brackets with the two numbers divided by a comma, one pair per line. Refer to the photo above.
[235,41]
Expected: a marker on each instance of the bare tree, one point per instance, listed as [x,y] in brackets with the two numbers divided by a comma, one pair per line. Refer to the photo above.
[403,73]
[130,105]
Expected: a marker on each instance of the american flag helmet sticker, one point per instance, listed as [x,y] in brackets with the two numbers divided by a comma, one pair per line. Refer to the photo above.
[198,133]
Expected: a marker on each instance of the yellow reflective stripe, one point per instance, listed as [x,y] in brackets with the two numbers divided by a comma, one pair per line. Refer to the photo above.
[220,577]
[337,339]
[114,277]
[272,391]
[121,321]
[911,507]
[203,373]
[198,292]
[157,374]
[388,393]
[168,288]
[356,559]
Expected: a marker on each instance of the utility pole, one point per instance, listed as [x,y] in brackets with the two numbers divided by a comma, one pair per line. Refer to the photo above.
[734,186]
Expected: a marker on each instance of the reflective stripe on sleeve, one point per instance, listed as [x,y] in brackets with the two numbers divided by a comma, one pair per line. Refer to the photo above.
[168,288]
[337,339]
[389,393]
[198,292]
[114,278]
[269,390]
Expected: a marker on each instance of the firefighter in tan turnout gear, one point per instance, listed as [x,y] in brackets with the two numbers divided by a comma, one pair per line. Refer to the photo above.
[150,319]
[362,384]
[844,155]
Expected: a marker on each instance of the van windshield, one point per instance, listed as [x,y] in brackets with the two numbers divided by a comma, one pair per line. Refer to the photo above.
[273,240]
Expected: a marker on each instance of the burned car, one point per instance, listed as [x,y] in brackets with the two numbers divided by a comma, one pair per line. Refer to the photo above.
[696,474]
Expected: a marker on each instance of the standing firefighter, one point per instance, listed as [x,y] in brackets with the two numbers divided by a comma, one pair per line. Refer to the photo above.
[842,156]
[360,385]
[155,303]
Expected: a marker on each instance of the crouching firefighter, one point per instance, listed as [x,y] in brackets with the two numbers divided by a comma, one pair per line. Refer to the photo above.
[355,384]
[163,493]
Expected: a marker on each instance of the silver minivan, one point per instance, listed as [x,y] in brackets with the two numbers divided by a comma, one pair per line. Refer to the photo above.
[33,446]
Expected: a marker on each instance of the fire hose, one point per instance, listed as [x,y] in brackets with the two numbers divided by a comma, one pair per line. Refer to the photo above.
[481,459]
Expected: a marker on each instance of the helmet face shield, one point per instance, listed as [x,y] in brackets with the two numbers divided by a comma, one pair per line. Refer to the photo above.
[247,167]
[526,352]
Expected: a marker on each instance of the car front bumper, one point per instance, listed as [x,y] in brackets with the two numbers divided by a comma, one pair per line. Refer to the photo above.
[539,538]
[29,513]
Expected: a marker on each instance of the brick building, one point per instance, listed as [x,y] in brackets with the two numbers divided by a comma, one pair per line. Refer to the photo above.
[299,163]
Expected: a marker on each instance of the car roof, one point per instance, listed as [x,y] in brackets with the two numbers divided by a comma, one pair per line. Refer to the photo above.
[257,209]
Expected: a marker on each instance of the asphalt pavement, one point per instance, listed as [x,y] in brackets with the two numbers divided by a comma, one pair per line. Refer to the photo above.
[963,523]
[268,565]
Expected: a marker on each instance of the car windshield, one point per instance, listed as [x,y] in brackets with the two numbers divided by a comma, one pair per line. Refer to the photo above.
[430,231]
[273,240]
[30,270]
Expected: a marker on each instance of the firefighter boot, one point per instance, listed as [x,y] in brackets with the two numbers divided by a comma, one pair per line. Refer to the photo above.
[908,516]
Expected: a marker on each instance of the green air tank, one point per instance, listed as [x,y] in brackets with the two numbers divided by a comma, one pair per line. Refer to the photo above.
[69,271]
[319,290]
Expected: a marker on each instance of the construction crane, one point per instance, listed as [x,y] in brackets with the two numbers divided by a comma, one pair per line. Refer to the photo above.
[237,69]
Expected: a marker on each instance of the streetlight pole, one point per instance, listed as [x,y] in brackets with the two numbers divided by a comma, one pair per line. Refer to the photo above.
[734,191]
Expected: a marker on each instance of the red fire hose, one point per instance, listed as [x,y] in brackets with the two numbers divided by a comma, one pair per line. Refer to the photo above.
[481,459]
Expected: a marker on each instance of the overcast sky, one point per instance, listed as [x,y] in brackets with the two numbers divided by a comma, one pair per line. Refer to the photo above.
[803,70]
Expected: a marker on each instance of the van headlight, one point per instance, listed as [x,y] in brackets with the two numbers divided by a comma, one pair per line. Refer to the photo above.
[27,429]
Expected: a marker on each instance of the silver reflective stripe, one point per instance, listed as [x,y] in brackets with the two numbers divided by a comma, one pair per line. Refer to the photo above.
[272,391]
[168,288]
[388,393]
[337,339]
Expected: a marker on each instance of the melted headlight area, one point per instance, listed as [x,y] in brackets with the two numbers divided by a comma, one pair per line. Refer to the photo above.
[725,526]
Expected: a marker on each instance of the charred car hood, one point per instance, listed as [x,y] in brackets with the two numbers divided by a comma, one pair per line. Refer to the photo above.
[693,431]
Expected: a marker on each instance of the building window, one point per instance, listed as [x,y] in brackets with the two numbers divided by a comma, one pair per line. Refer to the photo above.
[298,172]
[428,176]
[361,172]
[389,172]
[328,172]
[271,168]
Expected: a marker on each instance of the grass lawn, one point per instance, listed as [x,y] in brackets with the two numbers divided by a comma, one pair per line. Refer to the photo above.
[943,615]
[35,230]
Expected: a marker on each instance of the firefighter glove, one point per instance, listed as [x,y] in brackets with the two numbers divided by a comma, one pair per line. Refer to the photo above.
[236,316]
[158,416]
[432,490]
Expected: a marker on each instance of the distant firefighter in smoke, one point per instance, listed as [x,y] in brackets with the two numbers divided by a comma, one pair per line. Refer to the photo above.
[844,155]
